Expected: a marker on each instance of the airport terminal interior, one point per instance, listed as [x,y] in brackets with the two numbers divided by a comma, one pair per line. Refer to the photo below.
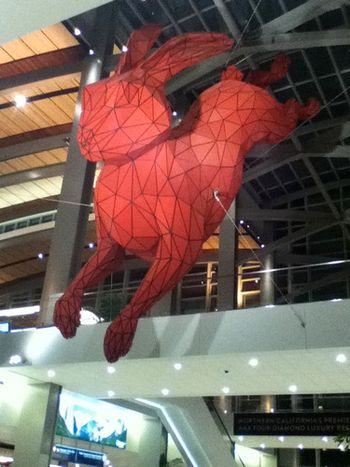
[246,360]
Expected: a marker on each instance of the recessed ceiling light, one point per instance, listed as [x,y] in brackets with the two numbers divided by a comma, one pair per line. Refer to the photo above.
[253,362]
[325,439]
[293,388]
[177,366]
[40,256]
[51,373]
[20,100]
[111,369]
[281,438]
[111,393]
[341,358]
[124,48]
[271,305]
[272,410]
[241,438]
[241,221]
[225,390]
[225,411]
[341,447]
[174,113]
[262,245]
[165,391]
[300,446]
[15,360]
[263,445]
[76,31]
[91,52]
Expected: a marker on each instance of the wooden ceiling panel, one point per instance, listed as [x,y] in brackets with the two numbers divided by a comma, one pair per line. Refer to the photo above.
[38,114]
[29,191]
[38,42]
[33,161]
[41,87]
[53,112]
[45,40]
[66,103]
[60,36]
[17,49]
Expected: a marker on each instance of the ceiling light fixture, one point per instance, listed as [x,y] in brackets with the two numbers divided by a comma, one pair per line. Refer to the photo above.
[51,373]
[15,359]
[20,100]
[241,438]
[300,446]
[91,52]
[76,31]
[225,390]
[325,439]
[341,358]
[110,370]
[111,393]
[165,391]
[293,388]
[253,362]
[177,366]
[263,445]
[281,438]
[124,48]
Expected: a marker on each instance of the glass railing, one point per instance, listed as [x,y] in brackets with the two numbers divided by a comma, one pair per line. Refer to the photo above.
[29,221]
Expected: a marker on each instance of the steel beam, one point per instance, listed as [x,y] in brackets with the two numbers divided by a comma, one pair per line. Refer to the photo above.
[291,258]
[40,75]
[314,285]
[39,173]
[252,214]
[279,160]
[286,240]
[296,40]
[281,200]
[302,14]
[31,147]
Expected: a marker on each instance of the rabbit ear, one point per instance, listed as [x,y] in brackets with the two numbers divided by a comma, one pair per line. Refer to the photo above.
[182,52]
[138,45]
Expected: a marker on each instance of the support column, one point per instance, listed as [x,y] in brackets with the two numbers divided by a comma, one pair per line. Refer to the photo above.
[289,458]
[36,430]
[267,292]
[152,446]
[72,215]
[227,279]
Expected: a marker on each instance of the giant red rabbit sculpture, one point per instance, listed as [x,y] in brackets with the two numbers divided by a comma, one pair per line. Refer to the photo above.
[155,194]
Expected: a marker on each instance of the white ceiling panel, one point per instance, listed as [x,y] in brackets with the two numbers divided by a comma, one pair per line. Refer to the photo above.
[37,14]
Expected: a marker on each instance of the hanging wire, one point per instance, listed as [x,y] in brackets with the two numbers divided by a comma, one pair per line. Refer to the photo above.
[61,201]
[216,195]
[238,41]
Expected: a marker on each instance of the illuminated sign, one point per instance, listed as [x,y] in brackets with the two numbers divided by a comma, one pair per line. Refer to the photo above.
[78,456]
[291,424]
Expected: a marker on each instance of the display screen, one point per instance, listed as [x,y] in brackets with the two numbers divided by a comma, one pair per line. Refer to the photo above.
[4,327]
[91,420]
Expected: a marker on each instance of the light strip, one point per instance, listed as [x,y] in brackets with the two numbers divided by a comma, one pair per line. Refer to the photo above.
[303,266]
[173,427]
[25,310]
